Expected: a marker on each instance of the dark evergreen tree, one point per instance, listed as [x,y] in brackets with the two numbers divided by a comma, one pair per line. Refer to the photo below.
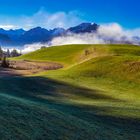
[8,53]
[1,53]
[14,53]
[4,63]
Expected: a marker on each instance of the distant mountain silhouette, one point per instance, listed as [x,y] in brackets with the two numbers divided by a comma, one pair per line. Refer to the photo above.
[84,27]
[12,33]
[38,34]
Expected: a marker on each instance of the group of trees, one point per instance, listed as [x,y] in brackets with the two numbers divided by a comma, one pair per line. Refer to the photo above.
[7,53]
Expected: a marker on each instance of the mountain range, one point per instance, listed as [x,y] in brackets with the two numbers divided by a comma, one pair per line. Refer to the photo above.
[38,34]
[20,37]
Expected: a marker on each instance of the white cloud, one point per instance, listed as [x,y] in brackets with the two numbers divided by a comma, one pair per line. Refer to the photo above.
[42,18]
[86,38]
[32,47]
[7,27]
[115,29]
[111,30]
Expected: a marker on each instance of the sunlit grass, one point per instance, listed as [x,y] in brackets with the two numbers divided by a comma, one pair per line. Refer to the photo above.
[95,96]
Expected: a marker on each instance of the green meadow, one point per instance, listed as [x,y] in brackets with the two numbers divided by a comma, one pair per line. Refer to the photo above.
[95,96]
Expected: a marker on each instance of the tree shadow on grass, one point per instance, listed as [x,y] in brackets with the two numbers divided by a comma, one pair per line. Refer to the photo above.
[38,86]
[64,119]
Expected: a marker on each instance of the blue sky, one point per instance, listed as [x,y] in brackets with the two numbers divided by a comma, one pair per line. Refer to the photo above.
[64,13]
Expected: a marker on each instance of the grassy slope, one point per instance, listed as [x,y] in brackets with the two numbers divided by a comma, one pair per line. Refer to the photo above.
[117,76]
[95,96]
[66,55]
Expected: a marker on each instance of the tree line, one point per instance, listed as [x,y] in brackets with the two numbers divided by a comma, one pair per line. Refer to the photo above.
[13,53]
[6,54]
